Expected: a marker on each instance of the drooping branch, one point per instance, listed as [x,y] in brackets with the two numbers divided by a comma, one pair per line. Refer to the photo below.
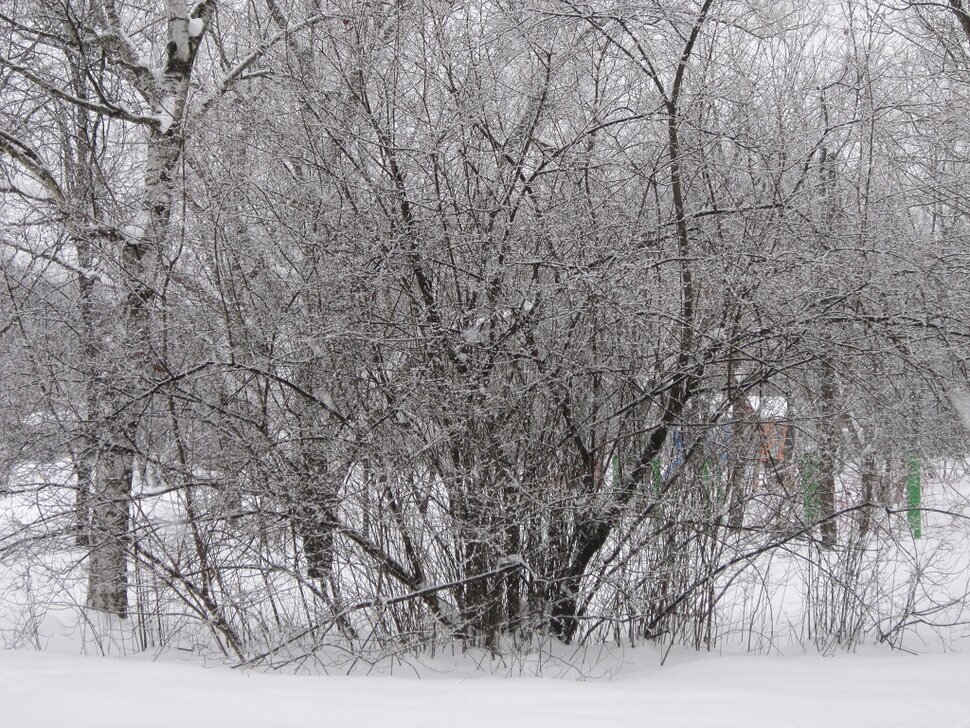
[30,160]
[114,110]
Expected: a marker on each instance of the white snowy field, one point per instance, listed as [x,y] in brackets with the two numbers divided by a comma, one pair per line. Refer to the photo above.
[881,689]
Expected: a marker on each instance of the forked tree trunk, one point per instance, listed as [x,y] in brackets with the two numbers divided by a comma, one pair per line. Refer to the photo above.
[142,269]
[88,340]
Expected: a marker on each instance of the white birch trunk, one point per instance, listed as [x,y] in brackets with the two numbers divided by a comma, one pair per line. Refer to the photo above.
[142,259]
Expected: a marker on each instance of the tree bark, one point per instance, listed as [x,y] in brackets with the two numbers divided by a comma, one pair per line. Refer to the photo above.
[142,263]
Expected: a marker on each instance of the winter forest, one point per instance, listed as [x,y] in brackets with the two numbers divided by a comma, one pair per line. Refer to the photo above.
[334,330]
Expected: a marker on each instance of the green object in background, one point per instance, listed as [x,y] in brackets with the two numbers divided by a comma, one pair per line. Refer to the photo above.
[656,476]
[811,499]
[712,476]
[914,497]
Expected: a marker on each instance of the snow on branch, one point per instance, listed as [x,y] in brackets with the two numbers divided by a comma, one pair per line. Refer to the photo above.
[115,110]
[235,73]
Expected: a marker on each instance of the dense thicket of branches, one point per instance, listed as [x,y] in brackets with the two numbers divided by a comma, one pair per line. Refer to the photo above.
[478,320]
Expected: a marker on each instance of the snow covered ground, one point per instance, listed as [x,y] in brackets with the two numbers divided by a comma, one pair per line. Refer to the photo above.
[611,687]
[875,689]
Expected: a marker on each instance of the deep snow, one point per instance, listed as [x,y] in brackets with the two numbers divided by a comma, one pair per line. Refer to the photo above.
[877,689]
[58,688]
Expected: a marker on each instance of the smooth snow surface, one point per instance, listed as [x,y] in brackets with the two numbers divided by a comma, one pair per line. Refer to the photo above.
[888,689]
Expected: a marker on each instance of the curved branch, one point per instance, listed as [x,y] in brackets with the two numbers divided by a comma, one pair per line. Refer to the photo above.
[114,111]
[237,71]
[31,161]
